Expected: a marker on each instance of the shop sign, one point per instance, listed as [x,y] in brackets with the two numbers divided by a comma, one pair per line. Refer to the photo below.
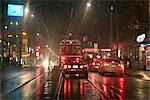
[141,38]
[106,50]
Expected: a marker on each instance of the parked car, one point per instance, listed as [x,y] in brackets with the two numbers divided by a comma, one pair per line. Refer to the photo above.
[111,65]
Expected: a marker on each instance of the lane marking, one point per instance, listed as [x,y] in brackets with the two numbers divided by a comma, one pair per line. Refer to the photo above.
[59,88]
[100,91]
[22,85]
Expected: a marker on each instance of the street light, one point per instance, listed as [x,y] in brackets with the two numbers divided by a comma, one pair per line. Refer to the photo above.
[46,46]
[26,10]
[6,27]
[11,23]
[37,33]
[17,23]
[88,4]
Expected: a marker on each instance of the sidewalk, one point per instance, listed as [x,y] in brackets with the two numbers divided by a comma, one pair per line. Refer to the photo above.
[138,73]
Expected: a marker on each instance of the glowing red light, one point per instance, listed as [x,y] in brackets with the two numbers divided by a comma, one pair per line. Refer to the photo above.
[93,63]
[63,58]
[67,89]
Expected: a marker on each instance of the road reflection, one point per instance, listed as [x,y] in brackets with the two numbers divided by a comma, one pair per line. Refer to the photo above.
[79,89]
[67,88]
[73,89]
[115,89]
[38,84]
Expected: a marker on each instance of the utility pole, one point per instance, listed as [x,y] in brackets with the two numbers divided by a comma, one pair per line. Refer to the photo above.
[71,16]
[111,27]
[149,16]
[117,29]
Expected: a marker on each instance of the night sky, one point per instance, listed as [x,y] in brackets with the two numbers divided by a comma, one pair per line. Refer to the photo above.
[95,24]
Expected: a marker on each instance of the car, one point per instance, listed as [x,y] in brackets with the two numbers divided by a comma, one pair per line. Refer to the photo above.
[93,66]
[111,65]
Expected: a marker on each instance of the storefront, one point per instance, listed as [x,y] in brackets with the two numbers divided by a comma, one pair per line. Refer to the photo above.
[144,50]
[147,57]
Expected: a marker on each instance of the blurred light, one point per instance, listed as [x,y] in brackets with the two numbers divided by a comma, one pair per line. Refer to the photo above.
[81,66]
[111,7]
[69,66]
[46,64]
[37,54]
[93,63]
[26,10]
[104,87]
[65,66]
[32,15]
[142,45]
[91,56]
[63,58]
[106,50]
[141,38]
[88,4]
[16,35]
[38,47]
[24,33]
[119,53]
[8,43]
[70,34]
[6,27]
[11,23]
[0,41]
[17,23]
[46,46]
[37,33]
[10,35]
[98,56]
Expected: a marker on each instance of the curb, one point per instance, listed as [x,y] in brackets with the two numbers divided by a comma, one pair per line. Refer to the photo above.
[135,75]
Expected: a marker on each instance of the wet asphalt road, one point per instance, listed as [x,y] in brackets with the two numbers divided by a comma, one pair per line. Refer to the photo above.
[47,86]
[98,87]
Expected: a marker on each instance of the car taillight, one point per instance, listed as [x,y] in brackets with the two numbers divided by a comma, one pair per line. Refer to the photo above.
[69,66]
[63,58]
[77,59]
[98,63]
[106,64]
[93,63]
[65,66]
[121,65]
